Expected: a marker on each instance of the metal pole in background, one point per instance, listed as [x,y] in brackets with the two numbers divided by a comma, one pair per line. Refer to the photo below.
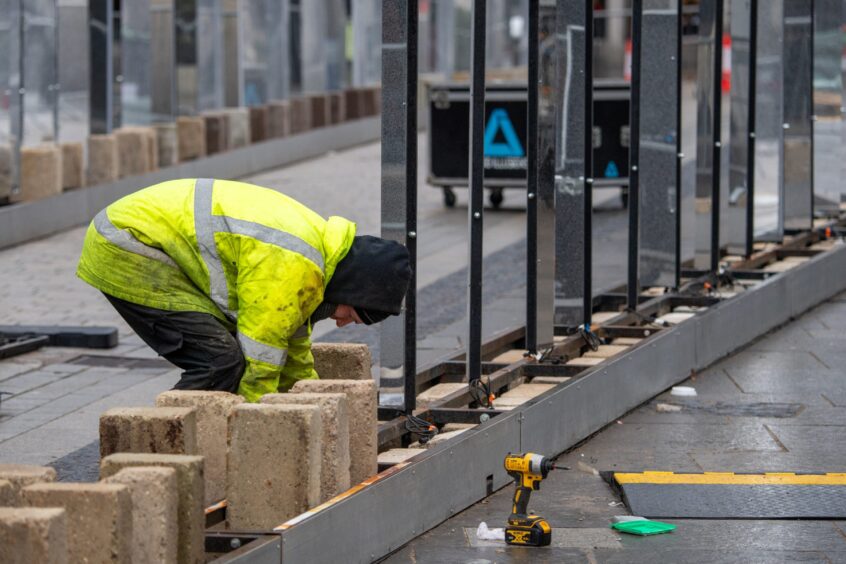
[399,184]
[477,191]
[633,284]
[750,128]
[587,299]
[679,153]
[716,128]
[104,97]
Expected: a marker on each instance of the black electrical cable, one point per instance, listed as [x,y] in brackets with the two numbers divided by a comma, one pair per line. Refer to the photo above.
[591,338]
[420,427]
[480,391]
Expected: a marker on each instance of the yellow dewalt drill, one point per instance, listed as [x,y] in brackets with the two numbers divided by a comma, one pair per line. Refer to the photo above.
[525,529]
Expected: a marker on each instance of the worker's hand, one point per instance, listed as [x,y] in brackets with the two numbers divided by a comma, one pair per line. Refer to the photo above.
[344,315]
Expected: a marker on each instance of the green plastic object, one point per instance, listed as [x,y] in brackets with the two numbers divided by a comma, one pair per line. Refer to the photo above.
[644,527]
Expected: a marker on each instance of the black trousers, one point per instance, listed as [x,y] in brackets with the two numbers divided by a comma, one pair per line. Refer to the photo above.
[196,342]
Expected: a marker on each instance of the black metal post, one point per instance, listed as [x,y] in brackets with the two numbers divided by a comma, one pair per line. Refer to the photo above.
[679,154]
[633,285]
[750,128]
[717,136]
[587,298]
[811,112]
[410,364]
[532,185]
[477,191]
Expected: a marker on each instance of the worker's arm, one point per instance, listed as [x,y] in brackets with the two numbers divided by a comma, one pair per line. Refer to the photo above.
[276,294]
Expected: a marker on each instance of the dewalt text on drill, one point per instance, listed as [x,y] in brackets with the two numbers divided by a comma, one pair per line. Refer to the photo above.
[523,528]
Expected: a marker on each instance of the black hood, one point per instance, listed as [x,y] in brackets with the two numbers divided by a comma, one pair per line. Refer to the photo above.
[373,276]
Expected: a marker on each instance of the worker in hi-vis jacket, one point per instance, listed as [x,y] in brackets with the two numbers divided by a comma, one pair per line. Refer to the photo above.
[225,279]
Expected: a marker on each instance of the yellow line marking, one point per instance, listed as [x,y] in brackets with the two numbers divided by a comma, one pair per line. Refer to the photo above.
[729,478]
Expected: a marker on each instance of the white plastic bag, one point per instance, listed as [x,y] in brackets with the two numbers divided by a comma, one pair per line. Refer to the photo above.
[484,533]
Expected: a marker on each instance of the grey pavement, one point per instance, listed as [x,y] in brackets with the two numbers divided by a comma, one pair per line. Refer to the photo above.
[775,406]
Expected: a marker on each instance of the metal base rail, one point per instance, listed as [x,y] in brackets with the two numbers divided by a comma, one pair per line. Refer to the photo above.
[369,522]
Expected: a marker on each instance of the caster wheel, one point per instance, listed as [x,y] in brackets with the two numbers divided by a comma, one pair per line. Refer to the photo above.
[496,197]
[449,198]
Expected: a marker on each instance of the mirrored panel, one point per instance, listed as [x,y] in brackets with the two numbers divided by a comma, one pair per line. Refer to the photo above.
[210,54]
[136,62]
[264,74]
[323,32]
[828,99]
[734,220]
[367,33]
[798,52]
[40,77]
[658,162]
[10,110]
[74,63]
[572,266]
[769,131]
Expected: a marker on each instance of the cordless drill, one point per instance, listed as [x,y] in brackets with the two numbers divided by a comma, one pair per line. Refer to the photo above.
[525,529]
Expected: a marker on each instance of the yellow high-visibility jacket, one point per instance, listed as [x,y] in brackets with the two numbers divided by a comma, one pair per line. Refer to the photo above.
[254,258]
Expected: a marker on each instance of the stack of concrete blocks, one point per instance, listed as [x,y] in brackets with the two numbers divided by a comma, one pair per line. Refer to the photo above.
[190,527]
[274,464]
[259,124]
[135,150]
[279,118]
[191,131]
[301,119]
[103,161]
[33,534]
[41,172]
[371,100]
[362,403]
[155,519]
[238,127]
[99,518]
[335,440]
[157,430]
[73,166]
[167,143]
[319,110]
[151,137]
[212,413]
[6,172]
[217,126]
[342,361]
[337,108]
[352,104]
[19,476]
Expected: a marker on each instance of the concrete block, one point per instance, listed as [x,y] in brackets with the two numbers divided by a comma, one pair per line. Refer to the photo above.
[154,512]
[22,475]
[674,318]
[397,455]
[8,495]
[133,151]
[319,110]
[33,534]
[167,144]
[630,341]
[103,162]
[152,143]
[335,439]
[274,464]
[259,124]
[342,361]
[216,132]
[601,317]
[238,127]
[440,438]
[520,395]
[337,108]
[73,166]
[99,518]
[371,100]
[438,392]
[449,427]
[300,115]
[279,118]
[606,351]
[554,380]
[191,131]
[584,361]
[361,397]
[6,172]
[509,357]
[41,172]
[189,481]
[158,430]
[352,104]
[212,414]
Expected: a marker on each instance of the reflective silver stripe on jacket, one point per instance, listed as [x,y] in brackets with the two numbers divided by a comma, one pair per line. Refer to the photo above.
[124,239]
[268,235]
[204,226]
[264,353]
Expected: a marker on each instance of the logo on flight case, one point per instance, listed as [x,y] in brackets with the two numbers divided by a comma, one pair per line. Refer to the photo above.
[507,153]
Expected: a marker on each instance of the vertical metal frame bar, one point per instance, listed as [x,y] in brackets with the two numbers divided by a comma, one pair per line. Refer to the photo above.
[679,153]
[633,284]
[56,86]
[573,162]
[477,190]
[398,352]
[716,160]
[798,109]
[750,128]
[104,36]
[532,183]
